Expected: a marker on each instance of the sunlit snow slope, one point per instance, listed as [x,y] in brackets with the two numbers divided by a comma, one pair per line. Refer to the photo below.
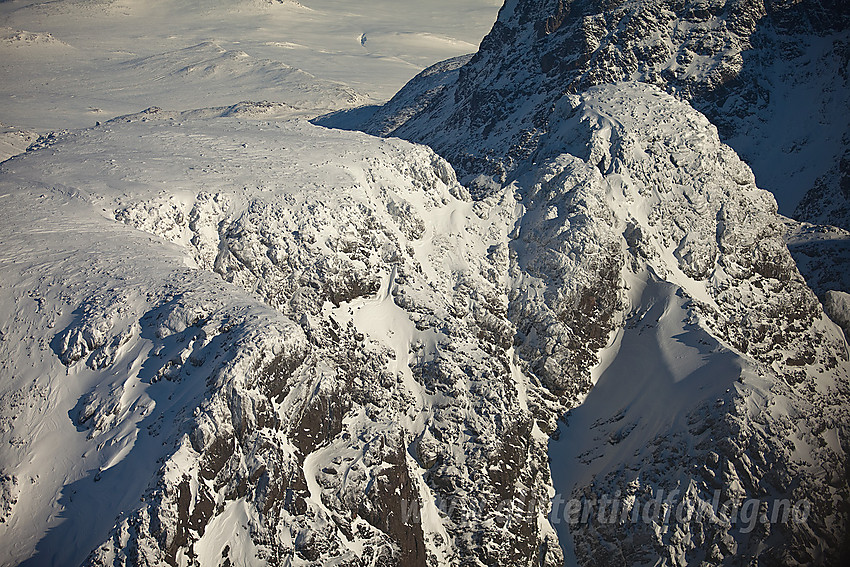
[70,63]
[165,400]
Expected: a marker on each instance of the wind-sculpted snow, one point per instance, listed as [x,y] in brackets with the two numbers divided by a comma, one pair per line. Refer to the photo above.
[70,63]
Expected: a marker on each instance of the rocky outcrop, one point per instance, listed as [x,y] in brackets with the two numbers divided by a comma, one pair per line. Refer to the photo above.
[837,306]
[703,264]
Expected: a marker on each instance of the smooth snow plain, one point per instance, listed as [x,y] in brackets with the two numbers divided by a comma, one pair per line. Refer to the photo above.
[71,63]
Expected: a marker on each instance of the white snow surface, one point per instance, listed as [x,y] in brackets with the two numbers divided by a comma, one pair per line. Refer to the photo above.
[79,437]
[70,63]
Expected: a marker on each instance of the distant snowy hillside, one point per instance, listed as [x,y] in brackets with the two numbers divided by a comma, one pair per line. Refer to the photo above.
[71,63]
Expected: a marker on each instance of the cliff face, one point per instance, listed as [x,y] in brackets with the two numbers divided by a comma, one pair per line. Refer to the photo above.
[549,101]
[719,348]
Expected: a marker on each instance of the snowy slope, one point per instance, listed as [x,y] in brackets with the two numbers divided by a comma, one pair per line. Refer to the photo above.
[290,429]
[421,344]
[70,63]
[83,439]
[14,141]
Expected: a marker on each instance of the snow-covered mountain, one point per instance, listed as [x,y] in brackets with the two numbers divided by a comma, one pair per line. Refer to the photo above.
[420,344]
[699,388]
[281,402]
[773,76]
[233,337]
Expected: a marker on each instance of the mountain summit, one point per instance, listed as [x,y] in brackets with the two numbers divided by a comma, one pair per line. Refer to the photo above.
[771,75]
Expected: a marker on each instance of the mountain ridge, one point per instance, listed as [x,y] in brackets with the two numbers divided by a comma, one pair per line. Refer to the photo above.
[747,65]
[292,345]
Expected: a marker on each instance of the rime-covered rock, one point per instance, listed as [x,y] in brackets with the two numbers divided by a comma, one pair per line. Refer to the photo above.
[772,76]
